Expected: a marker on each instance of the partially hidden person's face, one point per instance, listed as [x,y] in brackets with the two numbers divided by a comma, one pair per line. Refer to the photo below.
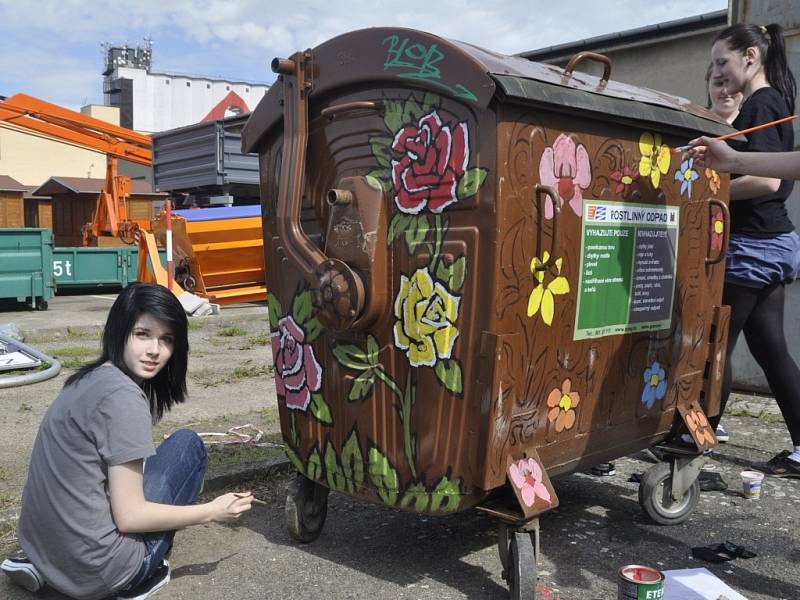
[730,67]
[148,348]
[723,104]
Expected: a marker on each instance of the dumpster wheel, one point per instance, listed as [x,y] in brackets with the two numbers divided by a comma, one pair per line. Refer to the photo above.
[655,496]
[306,508]
[518,558]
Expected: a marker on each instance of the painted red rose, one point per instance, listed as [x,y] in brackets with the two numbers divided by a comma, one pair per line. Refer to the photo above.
[434,156]
[297,372]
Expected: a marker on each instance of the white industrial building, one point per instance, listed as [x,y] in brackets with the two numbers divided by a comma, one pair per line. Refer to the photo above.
[151,102]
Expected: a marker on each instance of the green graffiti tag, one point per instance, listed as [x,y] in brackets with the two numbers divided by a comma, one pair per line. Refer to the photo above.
[420,62]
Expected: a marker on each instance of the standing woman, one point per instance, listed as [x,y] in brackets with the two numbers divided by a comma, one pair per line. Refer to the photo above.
[96,520]
[720,102]
[764,248]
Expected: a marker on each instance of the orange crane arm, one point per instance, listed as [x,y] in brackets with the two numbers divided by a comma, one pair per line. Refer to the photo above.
[75,128]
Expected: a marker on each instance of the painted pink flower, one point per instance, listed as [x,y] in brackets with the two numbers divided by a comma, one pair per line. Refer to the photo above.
[565,166]
[433,157]
[526,475]
[297,372]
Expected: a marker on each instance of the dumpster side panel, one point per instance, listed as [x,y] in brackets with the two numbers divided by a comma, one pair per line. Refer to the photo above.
[396,414]
[581,394]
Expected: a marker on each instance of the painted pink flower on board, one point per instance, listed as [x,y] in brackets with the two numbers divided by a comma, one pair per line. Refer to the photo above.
[565,166]
[433,158]
[297,372]
[526,475]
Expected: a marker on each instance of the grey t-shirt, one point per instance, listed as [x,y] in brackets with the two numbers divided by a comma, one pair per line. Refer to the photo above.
[66,526]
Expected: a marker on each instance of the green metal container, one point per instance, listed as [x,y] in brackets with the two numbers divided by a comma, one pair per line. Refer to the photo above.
[78,267]
[26,266]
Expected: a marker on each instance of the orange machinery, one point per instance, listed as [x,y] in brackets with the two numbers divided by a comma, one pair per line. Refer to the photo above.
[49,120]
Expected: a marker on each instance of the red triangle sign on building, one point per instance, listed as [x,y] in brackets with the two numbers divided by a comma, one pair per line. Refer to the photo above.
[230,105]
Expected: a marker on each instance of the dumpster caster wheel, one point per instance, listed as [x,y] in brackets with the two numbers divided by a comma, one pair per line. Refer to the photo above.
[41,305]
[655,496]
[306,509]
[519,564]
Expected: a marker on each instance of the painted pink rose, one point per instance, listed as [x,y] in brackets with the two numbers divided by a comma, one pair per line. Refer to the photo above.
[434,156]
[297,372]
[526,475]
[565,166]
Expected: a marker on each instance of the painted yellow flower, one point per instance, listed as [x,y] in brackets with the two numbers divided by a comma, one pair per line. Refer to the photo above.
[655,157]
[425,313]
[542,296]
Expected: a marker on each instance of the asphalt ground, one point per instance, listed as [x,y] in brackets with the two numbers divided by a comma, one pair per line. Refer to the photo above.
[371,552]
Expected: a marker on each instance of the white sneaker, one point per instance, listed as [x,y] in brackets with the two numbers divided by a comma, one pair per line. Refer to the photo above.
[20,570]
[722,435]
[150,586]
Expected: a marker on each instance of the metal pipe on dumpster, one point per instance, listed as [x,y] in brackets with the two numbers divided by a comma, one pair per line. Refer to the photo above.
[168,213]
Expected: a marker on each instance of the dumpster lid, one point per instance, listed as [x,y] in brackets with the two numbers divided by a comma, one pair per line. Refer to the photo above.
[472,75]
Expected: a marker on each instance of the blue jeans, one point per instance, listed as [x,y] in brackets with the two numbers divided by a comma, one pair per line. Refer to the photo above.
[173,476]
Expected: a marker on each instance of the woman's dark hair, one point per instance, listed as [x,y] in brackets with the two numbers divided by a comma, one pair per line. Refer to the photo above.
[769,41]
[169,386]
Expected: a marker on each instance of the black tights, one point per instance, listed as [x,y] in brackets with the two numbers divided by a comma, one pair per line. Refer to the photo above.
[759,313]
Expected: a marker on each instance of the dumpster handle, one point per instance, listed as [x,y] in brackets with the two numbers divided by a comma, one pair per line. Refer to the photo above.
[546,189]
[726,228]
[339,294]
[601,58]
[332,111]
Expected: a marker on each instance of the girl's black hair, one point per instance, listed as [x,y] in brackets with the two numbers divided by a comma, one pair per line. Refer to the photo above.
[769,41]
[169,386]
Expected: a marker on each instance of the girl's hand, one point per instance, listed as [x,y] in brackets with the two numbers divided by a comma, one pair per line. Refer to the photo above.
[712,153]
[229,507]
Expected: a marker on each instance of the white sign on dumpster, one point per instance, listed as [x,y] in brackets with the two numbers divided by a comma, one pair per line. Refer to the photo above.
[17,360]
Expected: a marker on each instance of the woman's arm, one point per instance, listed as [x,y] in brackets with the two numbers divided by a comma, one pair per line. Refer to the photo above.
[748,186]
[719,155]
[133,514]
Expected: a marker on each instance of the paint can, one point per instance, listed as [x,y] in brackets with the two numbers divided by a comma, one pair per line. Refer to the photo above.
[640,583]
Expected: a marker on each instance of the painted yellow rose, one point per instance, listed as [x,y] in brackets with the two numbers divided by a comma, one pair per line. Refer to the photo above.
[655,157]
[542,296]
[425,313]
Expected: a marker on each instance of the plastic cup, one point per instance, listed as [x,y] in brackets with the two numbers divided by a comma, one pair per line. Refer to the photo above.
[751,484]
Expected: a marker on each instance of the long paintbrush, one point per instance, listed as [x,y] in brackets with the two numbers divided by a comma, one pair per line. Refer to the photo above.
[742,132]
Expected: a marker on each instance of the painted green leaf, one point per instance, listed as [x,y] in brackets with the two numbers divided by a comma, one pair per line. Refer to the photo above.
[302,307]
[453,275]
[446,496]
[429,102]
[362,386]
[313,329]
[417,232]
[393,115]
[417,495]
[320,409]
[449,373]
[353,462]
[372,350]
[412,111]
[397,226]
[380,179]
[314,468]
[383,476]
[382,150]
[275,311]
[470,182]
[295,459]
[351,357]
[335,475]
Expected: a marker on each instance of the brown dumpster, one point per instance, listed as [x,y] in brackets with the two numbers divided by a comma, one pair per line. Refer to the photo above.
[488,272]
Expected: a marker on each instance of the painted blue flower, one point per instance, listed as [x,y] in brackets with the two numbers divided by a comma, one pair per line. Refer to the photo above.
[686,175]
[655,384]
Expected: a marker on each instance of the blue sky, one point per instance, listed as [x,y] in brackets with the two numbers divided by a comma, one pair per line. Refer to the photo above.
[52,48]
